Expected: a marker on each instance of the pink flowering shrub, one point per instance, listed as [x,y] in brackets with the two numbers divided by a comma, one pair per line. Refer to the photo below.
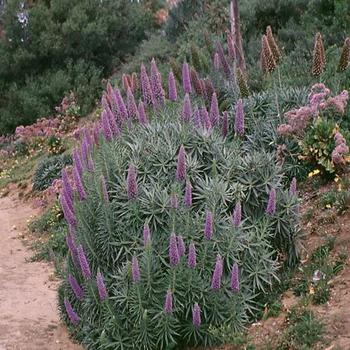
[319,129]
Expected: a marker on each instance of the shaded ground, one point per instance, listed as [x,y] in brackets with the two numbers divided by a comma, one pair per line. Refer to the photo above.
[28,306]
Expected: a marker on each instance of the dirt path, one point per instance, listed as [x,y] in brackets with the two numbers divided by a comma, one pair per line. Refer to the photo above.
[29,318]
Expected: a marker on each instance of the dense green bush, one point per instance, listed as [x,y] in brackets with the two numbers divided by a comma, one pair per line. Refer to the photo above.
[48,170]
[61,46]
[222,173]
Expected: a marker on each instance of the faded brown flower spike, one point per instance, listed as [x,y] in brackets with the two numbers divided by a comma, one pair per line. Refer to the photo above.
[319,57]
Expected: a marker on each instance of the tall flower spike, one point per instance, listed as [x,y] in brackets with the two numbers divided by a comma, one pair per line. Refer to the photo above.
[196,315]
[188,195]
[66,184]
[217,274]
[77,290]
[268,63]
[209,225]
[106,127]
[135,270]
[113,122]
[186,78]
[70,312]
[79,184]
[214,113]
[104,102]
[196,82]
[156,84]
[242,83]
[345,56]
[67,212]
[143,119]
[237,215]
[134,82]
[192,256]
[181,247]
[234,278]
[181,165]
[319,57]
[174,203]
[125,81]
[168,305]
[276,52]
[104,189]
[101,287]
[173,250]
[72,247]
[131,180]
[146,89]
[205,119]
[293,187]
[146,235]
[96,132]
[90,165]
[121,108]
[239,118]
[84,264]
[186,109]
[224,129]
[216,61]
[77,161]
[131,105]
[224,63]
[172,87]
[271,205]
[68,200]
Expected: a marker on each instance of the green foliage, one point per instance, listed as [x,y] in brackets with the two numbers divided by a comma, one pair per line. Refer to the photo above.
[220,171]
[64,45]
[48,170]
[303,332]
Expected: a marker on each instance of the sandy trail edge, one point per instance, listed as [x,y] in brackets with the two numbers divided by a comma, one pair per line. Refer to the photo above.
[29,317]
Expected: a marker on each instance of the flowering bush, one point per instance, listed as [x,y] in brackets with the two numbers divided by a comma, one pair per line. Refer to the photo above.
[319,128]
[171,233]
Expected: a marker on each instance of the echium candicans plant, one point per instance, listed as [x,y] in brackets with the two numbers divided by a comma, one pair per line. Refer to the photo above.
[161,247]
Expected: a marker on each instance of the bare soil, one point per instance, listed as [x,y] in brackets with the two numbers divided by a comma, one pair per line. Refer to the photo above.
[29,318]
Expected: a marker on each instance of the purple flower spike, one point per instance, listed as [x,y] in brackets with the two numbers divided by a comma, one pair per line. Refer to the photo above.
[84,264]
[181,247]
[77,161]
[131,181]
[214,113]
[168,305]
[237,215]
[67,199]
[70,312]
[181,165]
[113,122]
[131,105]
[102,290]
[196,315]
[85,150]
[209,225]
[142,114]
[235,278]
[135,270]
[224,129]
[77,290]
[104,102]
[96,133]
[72,247]
[66,184]
[121,108]
[271,205]
[174,203]
[186,78]
[156,84]
[197,118]
[172,87]
[192,256]
[146,235]
[90,165]
[104,189]
[239,119]
[173,250]
[68,214]
[146,89]
[293,187]
[217,274]
[188,195]
[79,184]
[205,119]
[106,127]
[186,109]
[223,60]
